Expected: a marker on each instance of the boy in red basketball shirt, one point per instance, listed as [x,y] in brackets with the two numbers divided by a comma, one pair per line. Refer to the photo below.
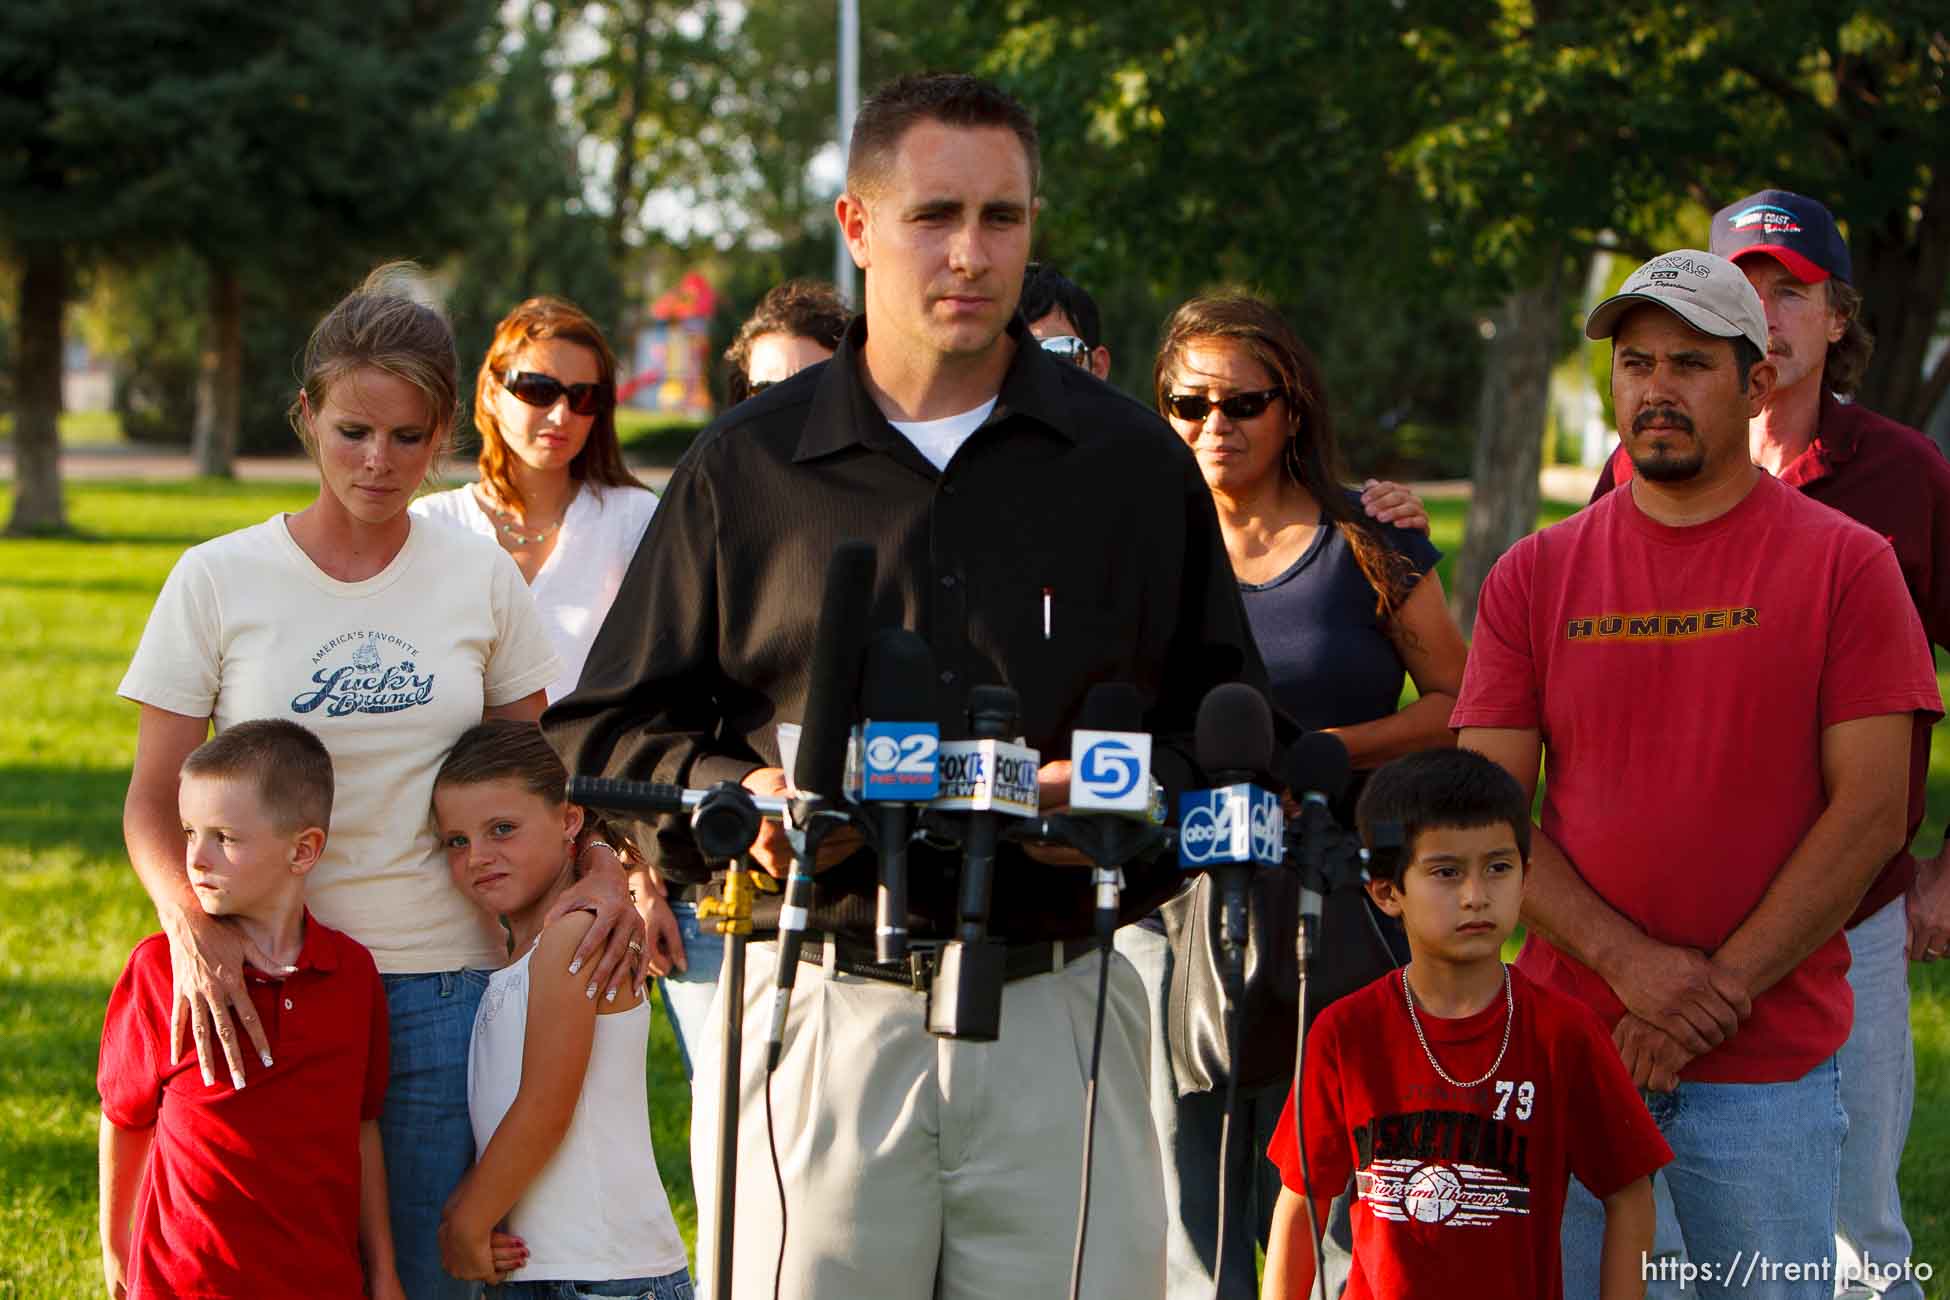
[1459,1095]
[210,1190]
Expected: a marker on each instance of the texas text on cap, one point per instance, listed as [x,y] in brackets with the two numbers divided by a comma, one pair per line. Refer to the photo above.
[1707,292]
[1792,228]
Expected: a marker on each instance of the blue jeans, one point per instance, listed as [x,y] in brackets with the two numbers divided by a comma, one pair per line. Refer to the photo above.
[687,993]
[672,1286]
[1878,1065]
[1751,1189]
[424,1127]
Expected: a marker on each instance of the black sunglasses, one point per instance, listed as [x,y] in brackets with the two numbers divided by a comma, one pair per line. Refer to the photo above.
[546,390]
[1239,406]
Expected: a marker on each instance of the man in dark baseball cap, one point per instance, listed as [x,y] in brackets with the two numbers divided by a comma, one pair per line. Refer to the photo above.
[1893,479]
[1791,228]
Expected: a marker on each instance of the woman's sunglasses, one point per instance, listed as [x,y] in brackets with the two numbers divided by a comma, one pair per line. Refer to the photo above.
[1240,406]
[546,390]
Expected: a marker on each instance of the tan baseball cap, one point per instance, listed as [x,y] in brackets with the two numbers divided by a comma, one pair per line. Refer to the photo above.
[1709,293]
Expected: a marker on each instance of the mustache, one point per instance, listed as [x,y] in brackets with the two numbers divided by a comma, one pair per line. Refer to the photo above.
[1671,415]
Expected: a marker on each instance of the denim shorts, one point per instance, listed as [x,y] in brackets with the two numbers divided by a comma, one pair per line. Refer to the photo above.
[671,1286]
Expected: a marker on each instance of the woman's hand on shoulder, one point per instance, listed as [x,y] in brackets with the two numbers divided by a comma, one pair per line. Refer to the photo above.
[206,962]
[1395,503]
[613,948]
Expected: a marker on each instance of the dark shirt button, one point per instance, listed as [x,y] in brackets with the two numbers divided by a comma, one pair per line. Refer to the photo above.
[948,580]
[947,489]
[947,677]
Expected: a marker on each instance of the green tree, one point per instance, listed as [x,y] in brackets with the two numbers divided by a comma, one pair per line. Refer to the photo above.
[532,228]
[293,144]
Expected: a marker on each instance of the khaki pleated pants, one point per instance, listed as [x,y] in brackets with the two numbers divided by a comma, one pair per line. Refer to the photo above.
[917,1167]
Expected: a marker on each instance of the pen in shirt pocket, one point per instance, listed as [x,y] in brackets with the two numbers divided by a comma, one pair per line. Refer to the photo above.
[1048,600]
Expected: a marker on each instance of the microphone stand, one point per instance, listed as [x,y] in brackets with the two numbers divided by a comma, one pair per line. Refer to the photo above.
[1326,858]
[733,913]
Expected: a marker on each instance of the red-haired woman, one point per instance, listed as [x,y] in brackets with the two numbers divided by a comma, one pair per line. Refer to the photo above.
[554,491]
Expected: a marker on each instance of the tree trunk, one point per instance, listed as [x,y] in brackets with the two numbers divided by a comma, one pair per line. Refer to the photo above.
[1511,415]
[213,438]
[623,176]
[1901,270]
[38,507]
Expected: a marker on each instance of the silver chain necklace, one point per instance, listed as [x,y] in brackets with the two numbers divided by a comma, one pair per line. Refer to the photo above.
[1509,1019]
[510,524]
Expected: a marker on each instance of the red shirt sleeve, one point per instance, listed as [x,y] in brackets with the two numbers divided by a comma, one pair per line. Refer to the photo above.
[1330,1160]
[379,1050]
[1500,685]
[135,1038]
[1878,655]
[1625,1145]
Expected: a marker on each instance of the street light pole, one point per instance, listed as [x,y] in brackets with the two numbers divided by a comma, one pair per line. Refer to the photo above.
[845,275]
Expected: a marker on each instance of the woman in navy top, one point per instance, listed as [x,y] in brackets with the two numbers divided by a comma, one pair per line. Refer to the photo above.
[1343,609]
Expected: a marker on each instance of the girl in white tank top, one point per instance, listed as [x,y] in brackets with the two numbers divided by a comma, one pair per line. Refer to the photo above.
[563,1197]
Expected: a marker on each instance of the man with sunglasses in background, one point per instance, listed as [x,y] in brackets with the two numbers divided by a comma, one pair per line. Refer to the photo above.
[1038,530]
[1893,479]
[798,323]
[1065,318]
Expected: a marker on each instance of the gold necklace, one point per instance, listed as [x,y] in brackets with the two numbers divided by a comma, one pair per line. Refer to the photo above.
[1509,1019]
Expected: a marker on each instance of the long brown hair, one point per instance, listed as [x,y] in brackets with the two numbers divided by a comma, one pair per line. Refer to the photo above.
[601,457]
[1848,356]
[1312,456]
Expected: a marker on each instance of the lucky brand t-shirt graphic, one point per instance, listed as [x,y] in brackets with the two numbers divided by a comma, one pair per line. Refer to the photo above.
[366,671]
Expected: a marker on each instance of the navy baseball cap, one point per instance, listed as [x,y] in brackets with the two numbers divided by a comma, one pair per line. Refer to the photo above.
[1793,229]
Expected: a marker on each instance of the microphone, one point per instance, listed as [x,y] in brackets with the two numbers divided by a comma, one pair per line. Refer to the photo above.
[1315,770]
[1110,757]
[1235,826]
[900,767]
[819,772]
[986,778]
[1110,772]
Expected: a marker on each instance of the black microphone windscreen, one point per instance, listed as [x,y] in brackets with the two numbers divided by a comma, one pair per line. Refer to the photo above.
[833,686]
[993,711]
[1317,763]
[1112,706]
[1234,730]
[897,679]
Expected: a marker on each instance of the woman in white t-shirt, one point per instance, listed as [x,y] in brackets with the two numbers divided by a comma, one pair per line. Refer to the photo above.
[388,640]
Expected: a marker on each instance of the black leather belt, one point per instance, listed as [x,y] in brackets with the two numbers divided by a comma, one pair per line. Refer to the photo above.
[1022,961]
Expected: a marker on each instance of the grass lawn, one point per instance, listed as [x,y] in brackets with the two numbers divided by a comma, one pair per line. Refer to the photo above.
[70,613]
[654,438]
[78,429]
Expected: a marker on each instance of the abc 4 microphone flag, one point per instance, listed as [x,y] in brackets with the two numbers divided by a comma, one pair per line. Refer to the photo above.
[1230,825]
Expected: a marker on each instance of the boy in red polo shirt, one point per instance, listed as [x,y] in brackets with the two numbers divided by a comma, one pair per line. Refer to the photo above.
[210,1190]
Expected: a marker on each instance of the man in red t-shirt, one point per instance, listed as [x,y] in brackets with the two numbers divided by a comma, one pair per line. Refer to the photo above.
[276,1191]
[1725,677]
[1893,479]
